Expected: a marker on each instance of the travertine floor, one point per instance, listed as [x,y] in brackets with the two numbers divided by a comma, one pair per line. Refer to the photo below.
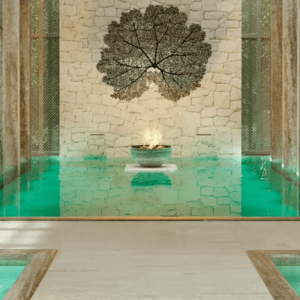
[151,259]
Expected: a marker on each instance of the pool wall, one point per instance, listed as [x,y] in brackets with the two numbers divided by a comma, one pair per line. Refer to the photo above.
[271,276]
[35,270]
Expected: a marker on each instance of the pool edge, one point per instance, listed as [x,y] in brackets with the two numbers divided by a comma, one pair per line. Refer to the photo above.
[32,275]
[275,282]
[149,218]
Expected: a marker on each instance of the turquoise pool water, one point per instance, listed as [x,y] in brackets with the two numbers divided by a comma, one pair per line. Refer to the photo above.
[223,187]
[289,266]
[10,270]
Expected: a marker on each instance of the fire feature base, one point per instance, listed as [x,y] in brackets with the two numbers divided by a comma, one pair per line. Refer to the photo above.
[139,168]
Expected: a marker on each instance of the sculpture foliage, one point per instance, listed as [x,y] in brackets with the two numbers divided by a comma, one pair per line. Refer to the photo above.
[159,41]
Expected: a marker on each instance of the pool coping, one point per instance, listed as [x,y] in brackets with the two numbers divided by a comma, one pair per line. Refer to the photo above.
[148,218]
[32,275]
[277,285]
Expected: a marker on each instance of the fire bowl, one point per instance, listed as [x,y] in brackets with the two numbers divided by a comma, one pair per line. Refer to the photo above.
[150,158]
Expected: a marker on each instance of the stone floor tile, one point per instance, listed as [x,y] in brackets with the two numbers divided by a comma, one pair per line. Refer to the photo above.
[140,284]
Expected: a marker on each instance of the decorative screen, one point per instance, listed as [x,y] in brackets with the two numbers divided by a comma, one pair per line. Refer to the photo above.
[45,76]
[256,76]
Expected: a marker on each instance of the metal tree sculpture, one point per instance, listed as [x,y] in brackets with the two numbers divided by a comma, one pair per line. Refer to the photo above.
[159,41]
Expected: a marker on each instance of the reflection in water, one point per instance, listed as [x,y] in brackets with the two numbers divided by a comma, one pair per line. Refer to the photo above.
[95,157]
[143,179]
[100,187]
[265,192]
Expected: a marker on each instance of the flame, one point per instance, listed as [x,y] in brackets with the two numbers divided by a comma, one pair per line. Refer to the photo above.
[152,137]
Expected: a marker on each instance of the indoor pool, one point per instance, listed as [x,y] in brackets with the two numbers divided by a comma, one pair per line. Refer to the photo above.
[289,266]
[202,187]
[10,270]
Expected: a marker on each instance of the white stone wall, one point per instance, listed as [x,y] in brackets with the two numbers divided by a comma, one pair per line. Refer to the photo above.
[86,106]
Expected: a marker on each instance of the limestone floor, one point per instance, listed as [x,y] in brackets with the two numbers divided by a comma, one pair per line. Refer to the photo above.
[134,260]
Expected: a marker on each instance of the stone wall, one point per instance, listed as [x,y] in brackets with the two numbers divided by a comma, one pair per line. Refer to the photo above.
[86,107]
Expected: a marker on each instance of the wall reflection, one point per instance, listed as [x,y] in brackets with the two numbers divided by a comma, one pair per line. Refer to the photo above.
[200,187]
[143,179]
[265,192]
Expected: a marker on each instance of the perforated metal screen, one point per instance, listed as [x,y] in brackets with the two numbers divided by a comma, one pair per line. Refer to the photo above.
[45,76]
[256,76]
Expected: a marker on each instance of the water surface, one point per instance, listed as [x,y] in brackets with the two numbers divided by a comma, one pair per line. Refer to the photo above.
[10,270]
[289,266]
[59,187]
